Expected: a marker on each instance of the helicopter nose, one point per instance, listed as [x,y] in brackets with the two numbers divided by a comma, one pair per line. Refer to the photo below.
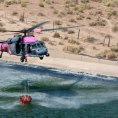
[41,51]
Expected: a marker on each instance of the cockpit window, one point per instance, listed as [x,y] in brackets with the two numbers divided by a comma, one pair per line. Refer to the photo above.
[38,45]
[34,46]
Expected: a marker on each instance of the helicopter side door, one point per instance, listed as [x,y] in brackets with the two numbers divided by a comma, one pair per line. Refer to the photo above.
[14,45]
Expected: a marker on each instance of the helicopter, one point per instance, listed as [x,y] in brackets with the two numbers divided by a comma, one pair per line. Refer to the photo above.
[27,45]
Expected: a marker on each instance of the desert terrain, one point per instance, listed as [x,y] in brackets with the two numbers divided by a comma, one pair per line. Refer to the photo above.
[91,48]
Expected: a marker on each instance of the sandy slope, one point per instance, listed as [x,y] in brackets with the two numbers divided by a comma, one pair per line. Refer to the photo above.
[71,64]
[80,66]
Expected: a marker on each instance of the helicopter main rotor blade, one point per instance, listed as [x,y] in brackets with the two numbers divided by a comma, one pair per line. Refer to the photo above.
[61,28]
[11,31]
[28,30]
[38,25]
[3,41]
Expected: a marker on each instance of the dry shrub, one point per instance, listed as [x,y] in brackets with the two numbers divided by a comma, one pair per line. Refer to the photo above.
[114,48]
[80,17]
[71,31]
[52,43]
[73,49]
[66,38]
[23,4]
[91,39]
[94,48]
[15,13]
[56,35]
[48,2]
[2,1]
[115,28]
[72,20]
[98,22]
[67,1]
[22,17]
[41,4]
[70,11]
[73,41]
[45,39]
[41,14]
[111,3]
[10,2]
[107,54]
[55,11]
[84,1]
[111,55]
[1,24]
[2,29]
[60,43]
[57,22]
[111,12]
[101,55]
[82,7]
[61,14]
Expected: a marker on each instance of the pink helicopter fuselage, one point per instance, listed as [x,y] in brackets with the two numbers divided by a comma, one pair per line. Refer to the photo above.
[29,39]
[4,47]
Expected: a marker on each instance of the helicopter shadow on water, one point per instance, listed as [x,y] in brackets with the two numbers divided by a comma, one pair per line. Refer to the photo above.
[59,91]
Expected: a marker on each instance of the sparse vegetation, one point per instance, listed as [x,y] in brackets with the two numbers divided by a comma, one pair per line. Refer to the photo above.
[55,11]
[91,39]
[57,22]
[10,2]
[45,39]
[111,3]
[52,43]
[23,4]
[22,17]
[15,13]
[72,20]
[41,14]
[94,48]
[73,49]
[66,38]
[115,28]
[71,31]
[48,2]
[70,12]
[1,24]
[60,43]
[41,4]
[73,41]
[80,17]
[111,54]
[56,35]
[98,22]
[2,29]
[114,48]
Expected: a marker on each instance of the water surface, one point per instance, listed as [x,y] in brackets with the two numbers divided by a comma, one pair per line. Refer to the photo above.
[56,93]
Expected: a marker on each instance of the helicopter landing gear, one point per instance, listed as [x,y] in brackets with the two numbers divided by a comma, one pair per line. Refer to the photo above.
[47,55]
[41,58]
[1,54]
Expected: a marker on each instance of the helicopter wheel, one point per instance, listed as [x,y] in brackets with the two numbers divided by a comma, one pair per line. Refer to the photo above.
[47,54]
[22,59]
[41,58]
